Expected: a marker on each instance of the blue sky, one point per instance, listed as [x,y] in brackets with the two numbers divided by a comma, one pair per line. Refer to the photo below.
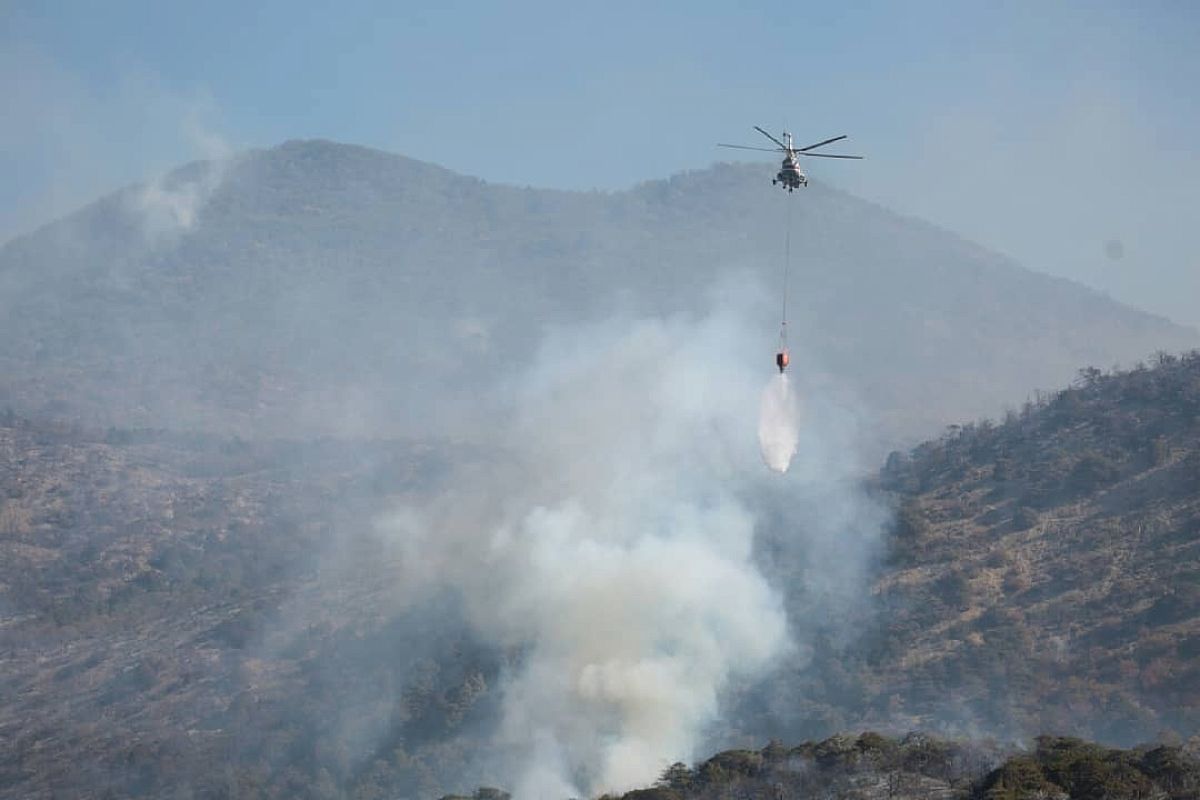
[1044,130]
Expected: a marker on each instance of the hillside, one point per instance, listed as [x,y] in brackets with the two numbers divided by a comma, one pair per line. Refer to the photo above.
[222,383]
[919,767]
[317,288]
[1046,571]
[1042,577]
[217,613]
[190,614]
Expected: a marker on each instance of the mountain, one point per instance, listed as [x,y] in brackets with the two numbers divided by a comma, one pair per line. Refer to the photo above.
[1046,568]
[1043,576]
[918,767]
[190,612]
[218,382]
[318,288]
[193,616]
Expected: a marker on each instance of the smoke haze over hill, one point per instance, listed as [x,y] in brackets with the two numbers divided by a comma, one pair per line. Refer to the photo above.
[461,482]
[329,472]
[326,289]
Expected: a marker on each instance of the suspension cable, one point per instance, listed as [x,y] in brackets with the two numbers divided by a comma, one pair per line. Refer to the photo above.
[787,261]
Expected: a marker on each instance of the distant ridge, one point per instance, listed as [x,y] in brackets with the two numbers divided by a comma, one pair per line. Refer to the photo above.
[324,288]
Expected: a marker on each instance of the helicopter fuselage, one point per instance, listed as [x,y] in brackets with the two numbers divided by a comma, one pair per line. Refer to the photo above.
[790,176]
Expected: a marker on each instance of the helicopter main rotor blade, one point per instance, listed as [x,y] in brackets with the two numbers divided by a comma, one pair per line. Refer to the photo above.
[743,147]
[820,144]
[826,155]
[772,138]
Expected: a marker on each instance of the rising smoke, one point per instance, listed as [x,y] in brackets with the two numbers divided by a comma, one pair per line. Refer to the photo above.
[170,204]
[612,550]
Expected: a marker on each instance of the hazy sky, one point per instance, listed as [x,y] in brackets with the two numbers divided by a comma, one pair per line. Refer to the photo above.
[1063,134]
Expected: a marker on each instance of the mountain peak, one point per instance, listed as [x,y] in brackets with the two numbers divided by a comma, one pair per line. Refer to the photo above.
[316,264]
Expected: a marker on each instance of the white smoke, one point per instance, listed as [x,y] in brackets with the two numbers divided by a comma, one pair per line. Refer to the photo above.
[171,204]
[779,423]
[611,551]
[169,209]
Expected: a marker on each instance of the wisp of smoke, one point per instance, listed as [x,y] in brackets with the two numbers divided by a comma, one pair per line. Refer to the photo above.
[171,204]
[778,423]
[167,209]
[610,551]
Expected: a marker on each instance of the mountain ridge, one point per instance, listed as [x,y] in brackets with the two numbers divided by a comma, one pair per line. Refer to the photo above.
[220,615]
[318,287]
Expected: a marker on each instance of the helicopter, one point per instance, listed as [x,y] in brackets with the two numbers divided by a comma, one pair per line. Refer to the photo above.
[790,176]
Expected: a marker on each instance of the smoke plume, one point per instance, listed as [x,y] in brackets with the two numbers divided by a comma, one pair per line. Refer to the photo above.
[610,550]
[171,204]
[778,423]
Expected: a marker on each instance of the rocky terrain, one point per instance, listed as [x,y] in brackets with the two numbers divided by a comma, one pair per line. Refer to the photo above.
[917,767]
[216,386]
[197,611]
[1046,570]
